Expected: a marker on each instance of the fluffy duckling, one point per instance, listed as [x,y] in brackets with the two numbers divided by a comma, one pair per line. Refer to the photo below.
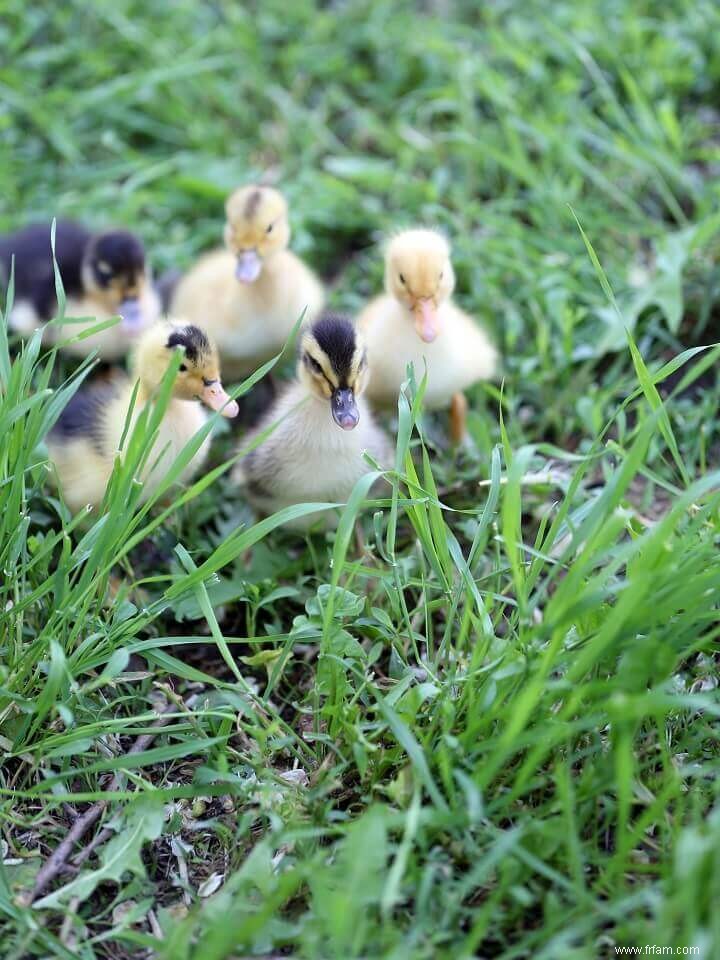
[104,275]
[84,442]
[250,295]
[315,452]
[416,320]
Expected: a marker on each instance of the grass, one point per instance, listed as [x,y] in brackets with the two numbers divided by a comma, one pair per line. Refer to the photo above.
[496,732]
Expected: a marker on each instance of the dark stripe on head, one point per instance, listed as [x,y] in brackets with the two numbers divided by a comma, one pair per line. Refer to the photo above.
[121,255]
[335,335]
[252,203]
[192,339]
[120,249]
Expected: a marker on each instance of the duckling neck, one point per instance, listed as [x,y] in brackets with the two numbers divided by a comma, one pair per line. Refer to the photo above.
[312,410]
[270,267]
[315,405]
[147,393]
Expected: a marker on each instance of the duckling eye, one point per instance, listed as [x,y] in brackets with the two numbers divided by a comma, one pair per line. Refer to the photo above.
[269,229]
[183,368]
[314,365]
[401,278]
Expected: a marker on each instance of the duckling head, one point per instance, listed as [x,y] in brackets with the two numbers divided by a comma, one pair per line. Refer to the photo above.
[333,366]
[419,273]
[114,273]
[198,377]
[257,226]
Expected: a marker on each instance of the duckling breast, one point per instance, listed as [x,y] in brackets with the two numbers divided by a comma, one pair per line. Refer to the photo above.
[459,356]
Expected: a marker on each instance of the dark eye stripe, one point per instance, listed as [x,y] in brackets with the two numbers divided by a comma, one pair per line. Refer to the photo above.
[313,364]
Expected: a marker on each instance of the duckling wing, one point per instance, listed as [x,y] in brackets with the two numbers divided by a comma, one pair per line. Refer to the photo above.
[476,357]
[378,445]
[80,472]
[79,445]
[84,415]
[382,448]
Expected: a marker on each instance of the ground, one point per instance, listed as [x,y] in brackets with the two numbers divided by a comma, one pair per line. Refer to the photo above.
[494,730]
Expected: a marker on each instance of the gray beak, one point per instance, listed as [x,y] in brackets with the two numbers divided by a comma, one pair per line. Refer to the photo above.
[344,409]
[131,314]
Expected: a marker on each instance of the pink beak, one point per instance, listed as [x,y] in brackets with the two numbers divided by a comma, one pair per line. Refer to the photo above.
[426,319]
[216,398]
[248,266]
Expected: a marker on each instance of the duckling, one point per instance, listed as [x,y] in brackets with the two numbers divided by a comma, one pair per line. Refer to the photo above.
[104,275]
[315,452]
[251,294]
[85,440]
[416,320]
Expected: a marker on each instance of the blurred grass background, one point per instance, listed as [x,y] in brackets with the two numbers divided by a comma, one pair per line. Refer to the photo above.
[510,734]
[487,122]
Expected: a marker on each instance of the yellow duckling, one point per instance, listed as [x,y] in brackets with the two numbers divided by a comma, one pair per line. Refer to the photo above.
[85,441]
[315,454]
[416,320]
[250,295]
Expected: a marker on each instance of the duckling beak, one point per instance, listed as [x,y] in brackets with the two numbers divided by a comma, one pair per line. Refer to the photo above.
[215,397]
[248,266]
[344,409]
[131,315]
[426,319]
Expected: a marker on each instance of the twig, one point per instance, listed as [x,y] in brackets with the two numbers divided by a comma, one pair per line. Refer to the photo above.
[99,839]
[57,860]
[96,841]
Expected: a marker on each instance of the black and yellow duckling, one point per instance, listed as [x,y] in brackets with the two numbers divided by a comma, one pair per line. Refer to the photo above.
[250,295]
[416,320]
[104,275]
[315,454]
[85,441]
